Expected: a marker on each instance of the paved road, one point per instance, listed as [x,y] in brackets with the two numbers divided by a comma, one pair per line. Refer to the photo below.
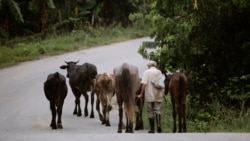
[25,114]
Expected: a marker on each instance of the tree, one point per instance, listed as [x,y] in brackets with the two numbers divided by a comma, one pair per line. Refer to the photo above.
[209,40]
[10,17]
[29,17]
[40,7]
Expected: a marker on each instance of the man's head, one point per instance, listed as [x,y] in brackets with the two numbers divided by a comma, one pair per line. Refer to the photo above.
[151,64]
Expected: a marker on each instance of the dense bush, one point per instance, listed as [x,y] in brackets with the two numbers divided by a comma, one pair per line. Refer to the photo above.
[20,18]
[211,43]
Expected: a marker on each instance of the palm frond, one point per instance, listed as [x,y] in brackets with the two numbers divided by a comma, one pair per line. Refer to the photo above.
[15,11]
[50,4]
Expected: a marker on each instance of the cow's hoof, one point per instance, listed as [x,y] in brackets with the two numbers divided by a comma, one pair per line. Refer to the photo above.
[119,131]
[107,124]
[137,128]
[103,122]
[101,118]
[59,126]
[129,131]
[79,114]
[53,127]
[109,108]
[75,112]
[86,114]
[92,115]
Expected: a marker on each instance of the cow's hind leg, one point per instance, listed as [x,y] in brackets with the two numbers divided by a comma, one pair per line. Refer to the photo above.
[120,124]
[98,109]
[179,112]
[77,110]
[129,126]
[137,124]
[92,103]
[140,120]
[104,121]
[53,111]
[174,116]
[59,120]
[86,112]
[184,118]
[107,123]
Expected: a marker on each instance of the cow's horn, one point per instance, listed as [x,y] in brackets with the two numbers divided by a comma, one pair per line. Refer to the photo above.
[76,61]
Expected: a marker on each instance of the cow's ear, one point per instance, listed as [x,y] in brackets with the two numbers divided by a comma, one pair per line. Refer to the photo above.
[63,66]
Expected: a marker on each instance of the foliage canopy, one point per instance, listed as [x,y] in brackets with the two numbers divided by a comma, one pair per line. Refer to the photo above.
[210,41]
[30,17]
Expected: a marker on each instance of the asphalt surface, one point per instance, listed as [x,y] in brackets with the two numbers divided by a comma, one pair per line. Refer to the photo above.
[25,113]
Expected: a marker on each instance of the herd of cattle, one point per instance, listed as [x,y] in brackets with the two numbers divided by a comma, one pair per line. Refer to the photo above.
[124,84]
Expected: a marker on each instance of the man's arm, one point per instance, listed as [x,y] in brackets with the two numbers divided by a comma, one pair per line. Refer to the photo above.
[142,90]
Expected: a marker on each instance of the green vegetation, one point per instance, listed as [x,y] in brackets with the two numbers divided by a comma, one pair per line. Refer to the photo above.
[226,120]
[209,41]
[30,29]
[58,44]
[19,18]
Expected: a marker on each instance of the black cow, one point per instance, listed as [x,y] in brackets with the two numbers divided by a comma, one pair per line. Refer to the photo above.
[81,81]
[139,102]
[56,90]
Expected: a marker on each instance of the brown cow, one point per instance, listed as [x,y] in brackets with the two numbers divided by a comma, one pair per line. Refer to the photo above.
[104,88]
[176,83]
[127,82]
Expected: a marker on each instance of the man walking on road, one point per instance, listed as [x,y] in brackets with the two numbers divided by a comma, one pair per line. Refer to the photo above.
[153,96]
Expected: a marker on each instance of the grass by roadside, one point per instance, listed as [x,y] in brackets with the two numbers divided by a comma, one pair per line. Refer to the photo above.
[57,44]
[227,120]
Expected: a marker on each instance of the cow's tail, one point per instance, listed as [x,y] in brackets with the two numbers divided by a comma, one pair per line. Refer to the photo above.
[109,102]
[127,95]
[88,73]
[181,87]
[56,89]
